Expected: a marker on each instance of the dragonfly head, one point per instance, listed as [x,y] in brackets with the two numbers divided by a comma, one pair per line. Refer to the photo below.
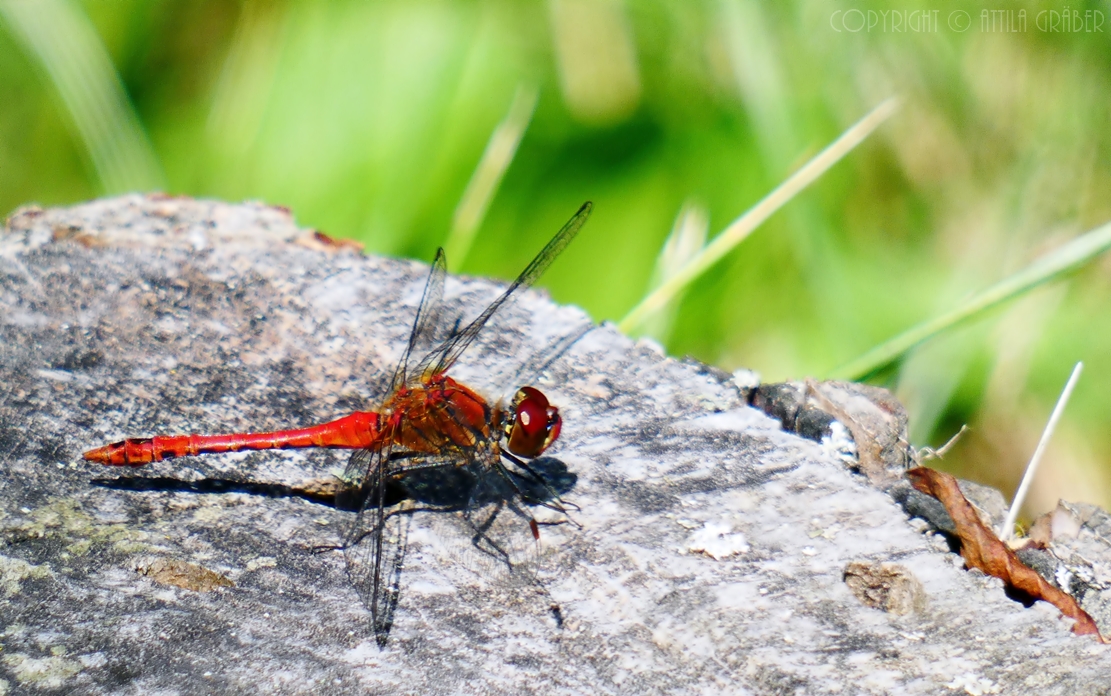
[532,424]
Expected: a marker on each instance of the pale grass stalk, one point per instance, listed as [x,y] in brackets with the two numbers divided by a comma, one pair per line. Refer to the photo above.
[1032,467]
[687,238]
[482,187]
[1068,257]
[744,225]
[60,36]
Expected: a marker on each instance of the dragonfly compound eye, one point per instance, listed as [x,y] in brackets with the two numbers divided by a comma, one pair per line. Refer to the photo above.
[535,425]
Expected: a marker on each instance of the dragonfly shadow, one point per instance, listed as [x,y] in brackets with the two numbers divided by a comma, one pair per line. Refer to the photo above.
[491,502]
[444,488]
[541,481]
[169,484]
[454,488]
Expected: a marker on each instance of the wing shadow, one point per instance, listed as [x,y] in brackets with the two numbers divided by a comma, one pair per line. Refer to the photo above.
[433,489]
[439,489]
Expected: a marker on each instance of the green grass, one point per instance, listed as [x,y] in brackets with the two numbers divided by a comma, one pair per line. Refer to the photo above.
[370,120]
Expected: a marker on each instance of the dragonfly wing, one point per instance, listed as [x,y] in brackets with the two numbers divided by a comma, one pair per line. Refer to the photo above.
[491,533]
[396,483]
[542,359]
[422,337]
[374,547]
[445,356]
[502,540]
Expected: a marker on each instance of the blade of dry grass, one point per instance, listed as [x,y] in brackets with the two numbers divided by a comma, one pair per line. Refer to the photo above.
[499,153]
[61,38]
[1053,265]
[1032,467]
[755,216]
[687,239]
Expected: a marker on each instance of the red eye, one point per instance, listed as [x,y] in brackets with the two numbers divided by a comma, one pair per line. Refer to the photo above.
[532,414]
[535,425]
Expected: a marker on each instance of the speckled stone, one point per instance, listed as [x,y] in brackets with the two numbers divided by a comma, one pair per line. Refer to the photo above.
[137,315]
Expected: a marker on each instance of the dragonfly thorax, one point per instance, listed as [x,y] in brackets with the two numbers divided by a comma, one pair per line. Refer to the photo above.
[439,413]
[531,424]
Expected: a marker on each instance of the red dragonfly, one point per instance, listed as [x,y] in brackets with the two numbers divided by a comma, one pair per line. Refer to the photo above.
[428,422]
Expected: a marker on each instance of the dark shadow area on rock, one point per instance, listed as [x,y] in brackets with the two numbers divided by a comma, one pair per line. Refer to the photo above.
[488,499]
[169,484]
[481,494]
[442,488]
[545,480]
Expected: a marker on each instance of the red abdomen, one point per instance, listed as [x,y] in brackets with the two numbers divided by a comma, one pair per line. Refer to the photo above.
[354,431]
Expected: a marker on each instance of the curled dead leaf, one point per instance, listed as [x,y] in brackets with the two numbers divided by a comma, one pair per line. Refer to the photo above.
[318,241]
[982,550]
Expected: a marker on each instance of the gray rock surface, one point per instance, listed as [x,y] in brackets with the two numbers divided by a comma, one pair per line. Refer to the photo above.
[711,554]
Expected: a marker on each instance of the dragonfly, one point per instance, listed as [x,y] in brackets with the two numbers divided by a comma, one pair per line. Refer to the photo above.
[429,424]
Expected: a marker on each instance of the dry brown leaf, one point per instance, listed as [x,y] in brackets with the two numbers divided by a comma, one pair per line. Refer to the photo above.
[318,241]
[982,550]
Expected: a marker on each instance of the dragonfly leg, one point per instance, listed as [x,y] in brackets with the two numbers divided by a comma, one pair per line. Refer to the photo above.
[481,539]
[555,503]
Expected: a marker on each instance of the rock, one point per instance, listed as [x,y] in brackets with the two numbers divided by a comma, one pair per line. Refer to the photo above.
[712,545]
[887,586]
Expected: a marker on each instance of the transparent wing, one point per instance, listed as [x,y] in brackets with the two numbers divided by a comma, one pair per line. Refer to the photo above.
[491,541]
[502,540]
[422,337]
[491,533]
[441,359]
[542,359]
[374,547]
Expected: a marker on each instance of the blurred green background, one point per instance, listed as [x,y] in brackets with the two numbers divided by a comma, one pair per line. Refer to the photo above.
[369,120]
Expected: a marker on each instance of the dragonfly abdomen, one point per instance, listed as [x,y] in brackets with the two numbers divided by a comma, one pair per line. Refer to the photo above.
[354,431]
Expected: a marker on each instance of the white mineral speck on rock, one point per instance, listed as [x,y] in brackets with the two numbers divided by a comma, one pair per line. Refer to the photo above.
[717,540]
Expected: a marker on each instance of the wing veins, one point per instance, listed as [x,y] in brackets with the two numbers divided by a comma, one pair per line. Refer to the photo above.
[426,321]
[441,359]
